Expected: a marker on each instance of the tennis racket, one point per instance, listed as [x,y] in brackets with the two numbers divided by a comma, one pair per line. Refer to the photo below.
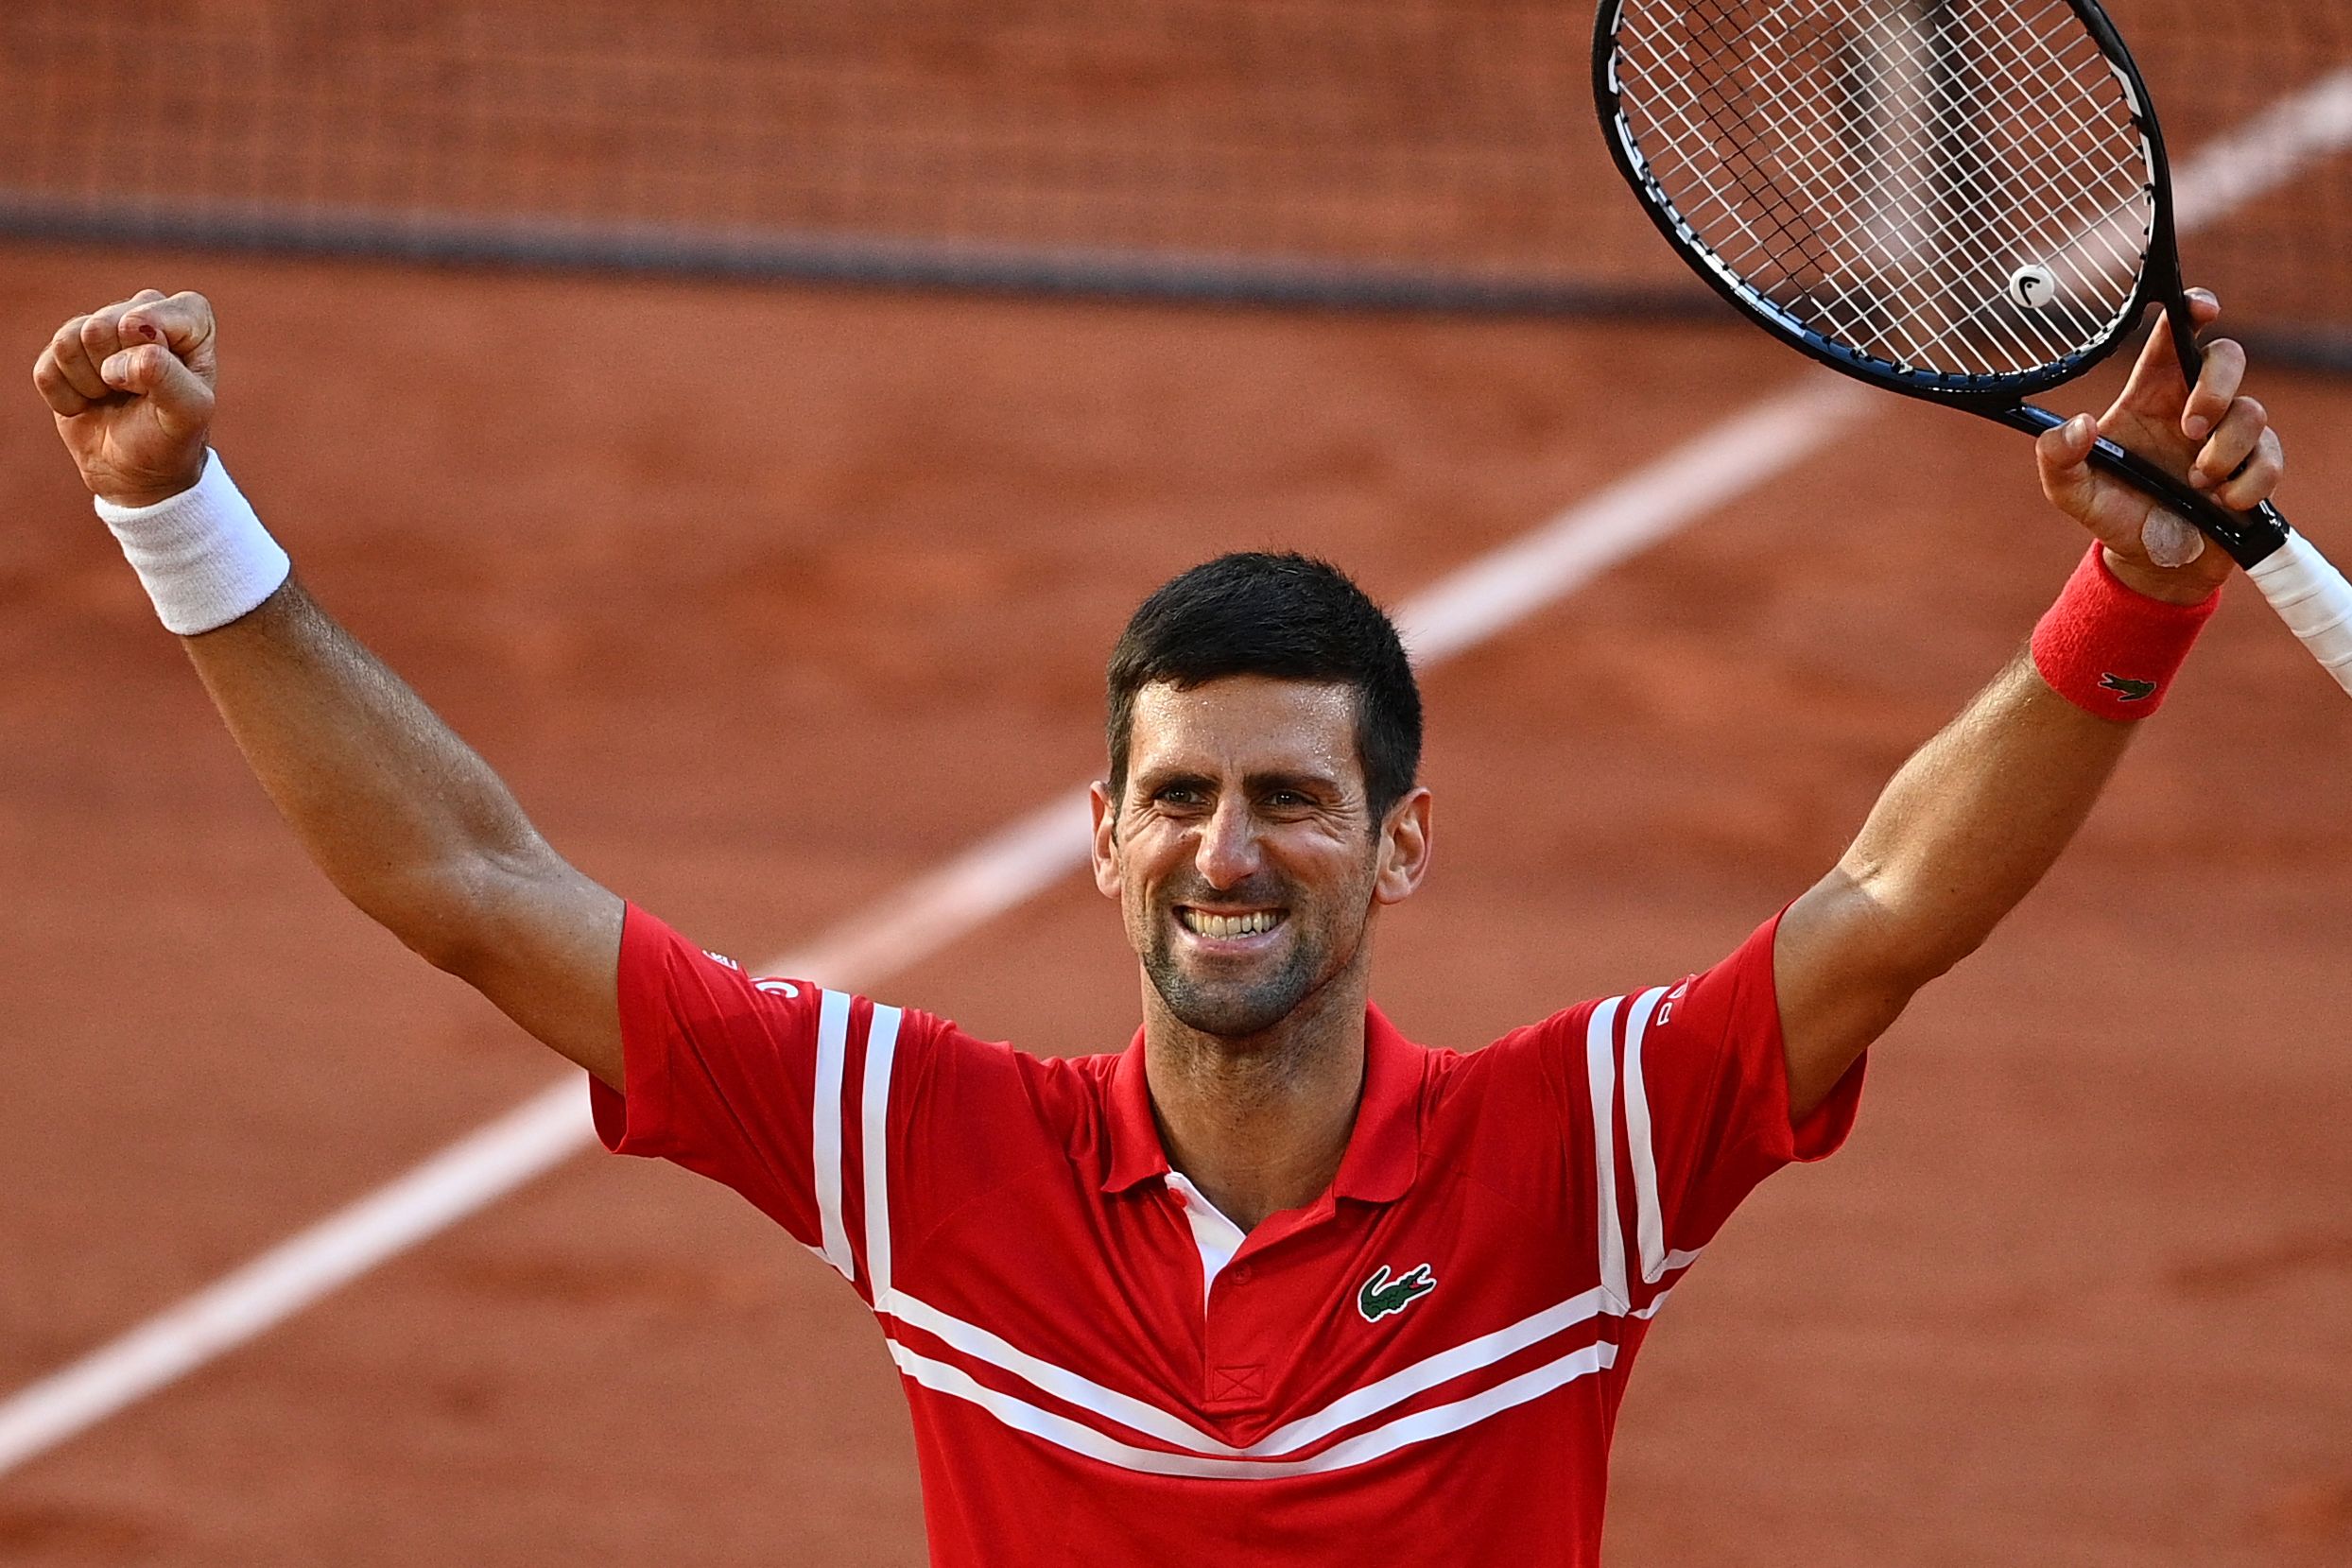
[1963,201]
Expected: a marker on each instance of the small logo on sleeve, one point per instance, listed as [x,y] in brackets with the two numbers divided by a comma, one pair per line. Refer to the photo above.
[1382,1296]
[2126,689]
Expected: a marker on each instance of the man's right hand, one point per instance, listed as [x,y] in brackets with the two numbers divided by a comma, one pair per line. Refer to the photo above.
[131,387]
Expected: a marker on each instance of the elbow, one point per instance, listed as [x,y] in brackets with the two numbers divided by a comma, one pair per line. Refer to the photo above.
[450,944]
[1921,958]
[449,914]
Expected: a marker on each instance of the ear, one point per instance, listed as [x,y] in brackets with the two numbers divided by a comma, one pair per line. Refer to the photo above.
[1404,849]
[1105,852]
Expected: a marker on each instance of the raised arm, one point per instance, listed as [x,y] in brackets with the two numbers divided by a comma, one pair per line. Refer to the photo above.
[402,815]
[1974,819]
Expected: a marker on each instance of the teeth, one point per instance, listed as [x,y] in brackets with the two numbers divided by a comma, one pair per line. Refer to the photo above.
[1232,925]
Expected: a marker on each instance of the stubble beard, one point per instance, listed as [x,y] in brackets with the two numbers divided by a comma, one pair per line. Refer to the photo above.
[1234,1009]
[1243,1008]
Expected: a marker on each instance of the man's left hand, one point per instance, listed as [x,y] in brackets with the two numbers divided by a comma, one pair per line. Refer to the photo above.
[2221,442]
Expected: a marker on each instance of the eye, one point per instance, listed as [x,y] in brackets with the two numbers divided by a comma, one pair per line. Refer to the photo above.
[1176,795]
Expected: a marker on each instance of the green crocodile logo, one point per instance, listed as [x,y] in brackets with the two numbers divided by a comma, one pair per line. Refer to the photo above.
[1382,1296]
[2127,688]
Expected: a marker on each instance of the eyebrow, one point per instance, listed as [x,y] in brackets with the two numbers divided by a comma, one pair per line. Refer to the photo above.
[1311,783]
[1260,783]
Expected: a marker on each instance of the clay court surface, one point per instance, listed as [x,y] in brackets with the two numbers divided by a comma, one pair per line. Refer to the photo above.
[768,600]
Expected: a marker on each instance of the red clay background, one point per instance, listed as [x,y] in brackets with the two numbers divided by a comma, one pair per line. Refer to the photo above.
[766,599]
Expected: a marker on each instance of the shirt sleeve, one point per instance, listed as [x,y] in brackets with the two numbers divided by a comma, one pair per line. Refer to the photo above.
[1687,1091]
[761,1084]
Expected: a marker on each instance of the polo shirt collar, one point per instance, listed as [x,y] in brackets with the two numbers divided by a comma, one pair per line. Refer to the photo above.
[1383,1149]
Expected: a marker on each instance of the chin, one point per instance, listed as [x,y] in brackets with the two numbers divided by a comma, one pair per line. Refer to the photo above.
[1228,1023]
[1228,1010]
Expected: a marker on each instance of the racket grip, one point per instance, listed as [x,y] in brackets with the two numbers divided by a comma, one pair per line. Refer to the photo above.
[2247,536]
[2311,597]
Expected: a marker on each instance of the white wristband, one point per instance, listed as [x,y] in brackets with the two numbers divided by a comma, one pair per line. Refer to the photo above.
[202,556]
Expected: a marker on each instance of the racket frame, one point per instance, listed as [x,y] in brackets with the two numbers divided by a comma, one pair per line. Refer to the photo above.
[2249,538]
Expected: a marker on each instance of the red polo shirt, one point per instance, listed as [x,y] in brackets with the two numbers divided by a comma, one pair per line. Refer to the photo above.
[1420,1368]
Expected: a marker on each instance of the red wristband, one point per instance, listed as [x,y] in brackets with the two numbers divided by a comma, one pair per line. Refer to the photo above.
[2111,651]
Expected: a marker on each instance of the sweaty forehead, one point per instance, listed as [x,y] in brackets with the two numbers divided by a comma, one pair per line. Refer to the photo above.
[1246,724]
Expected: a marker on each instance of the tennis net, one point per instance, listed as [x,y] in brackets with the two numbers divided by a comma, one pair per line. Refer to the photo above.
[1429,152]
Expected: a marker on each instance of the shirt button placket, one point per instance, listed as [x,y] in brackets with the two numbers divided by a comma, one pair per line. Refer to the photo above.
[1233,1362]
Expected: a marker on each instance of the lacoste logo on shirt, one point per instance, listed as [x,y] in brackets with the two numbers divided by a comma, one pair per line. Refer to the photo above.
[2127,688]
[1382,1296]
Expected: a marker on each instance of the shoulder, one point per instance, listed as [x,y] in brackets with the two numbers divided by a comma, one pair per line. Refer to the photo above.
[1696,1009]
[1679,1027]
[881,1059]
[972,1077]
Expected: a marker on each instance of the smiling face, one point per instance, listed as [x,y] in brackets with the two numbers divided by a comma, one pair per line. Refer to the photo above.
[1243,853]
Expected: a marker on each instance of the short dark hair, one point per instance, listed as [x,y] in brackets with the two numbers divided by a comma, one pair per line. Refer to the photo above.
[1286,616]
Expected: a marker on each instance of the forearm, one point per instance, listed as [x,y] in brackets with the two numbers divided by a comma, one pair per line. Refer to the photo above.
[402,815]
[1973,821]
[1968,826]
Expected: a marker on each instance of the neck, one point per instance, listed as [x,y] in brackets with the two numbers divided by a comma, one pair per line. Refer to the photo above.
[1259,1124]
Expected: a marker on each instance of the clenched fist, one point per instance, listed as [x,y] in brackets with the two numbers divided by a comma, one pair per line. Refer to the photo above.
[131,387]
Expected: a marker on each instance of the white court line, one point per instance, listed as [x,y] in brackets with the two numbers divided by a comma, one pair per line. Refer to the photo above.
[2255,158]
[997,875]
[1007,869]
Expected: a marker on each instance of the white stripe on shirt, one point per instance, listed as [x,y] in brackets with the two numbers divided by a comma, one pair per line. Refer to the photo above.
[1649,1223]
[1600,1076]
[826,1129]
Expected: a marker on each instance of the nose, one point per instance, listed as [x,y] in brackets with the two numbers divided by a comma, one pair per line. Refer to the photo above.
[1228,853]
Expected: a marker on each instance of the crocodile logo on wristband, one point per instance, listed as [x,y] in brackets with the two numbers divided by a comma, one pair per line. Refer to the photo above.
[2127,689]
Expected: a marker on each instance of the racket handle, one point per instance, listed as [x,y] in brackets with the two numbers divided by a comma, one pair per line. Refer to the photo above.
[2309,594]
[2249,537]
[2311,597]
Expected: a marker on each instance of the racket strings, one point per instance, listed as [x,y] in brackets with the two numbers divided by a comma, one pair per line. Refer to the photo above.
[1968,204]
[1905,158]
[1917,324]
[1888,171]
[1902,163]
[2078,143]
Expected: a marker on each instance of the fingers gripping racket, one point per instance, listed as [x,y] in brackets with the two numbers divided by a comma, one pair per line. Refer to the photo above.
[1963,201]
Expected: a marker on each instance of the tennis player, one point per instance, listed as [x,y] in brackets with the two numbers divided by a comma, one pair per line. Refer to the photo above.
[1273,1285]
